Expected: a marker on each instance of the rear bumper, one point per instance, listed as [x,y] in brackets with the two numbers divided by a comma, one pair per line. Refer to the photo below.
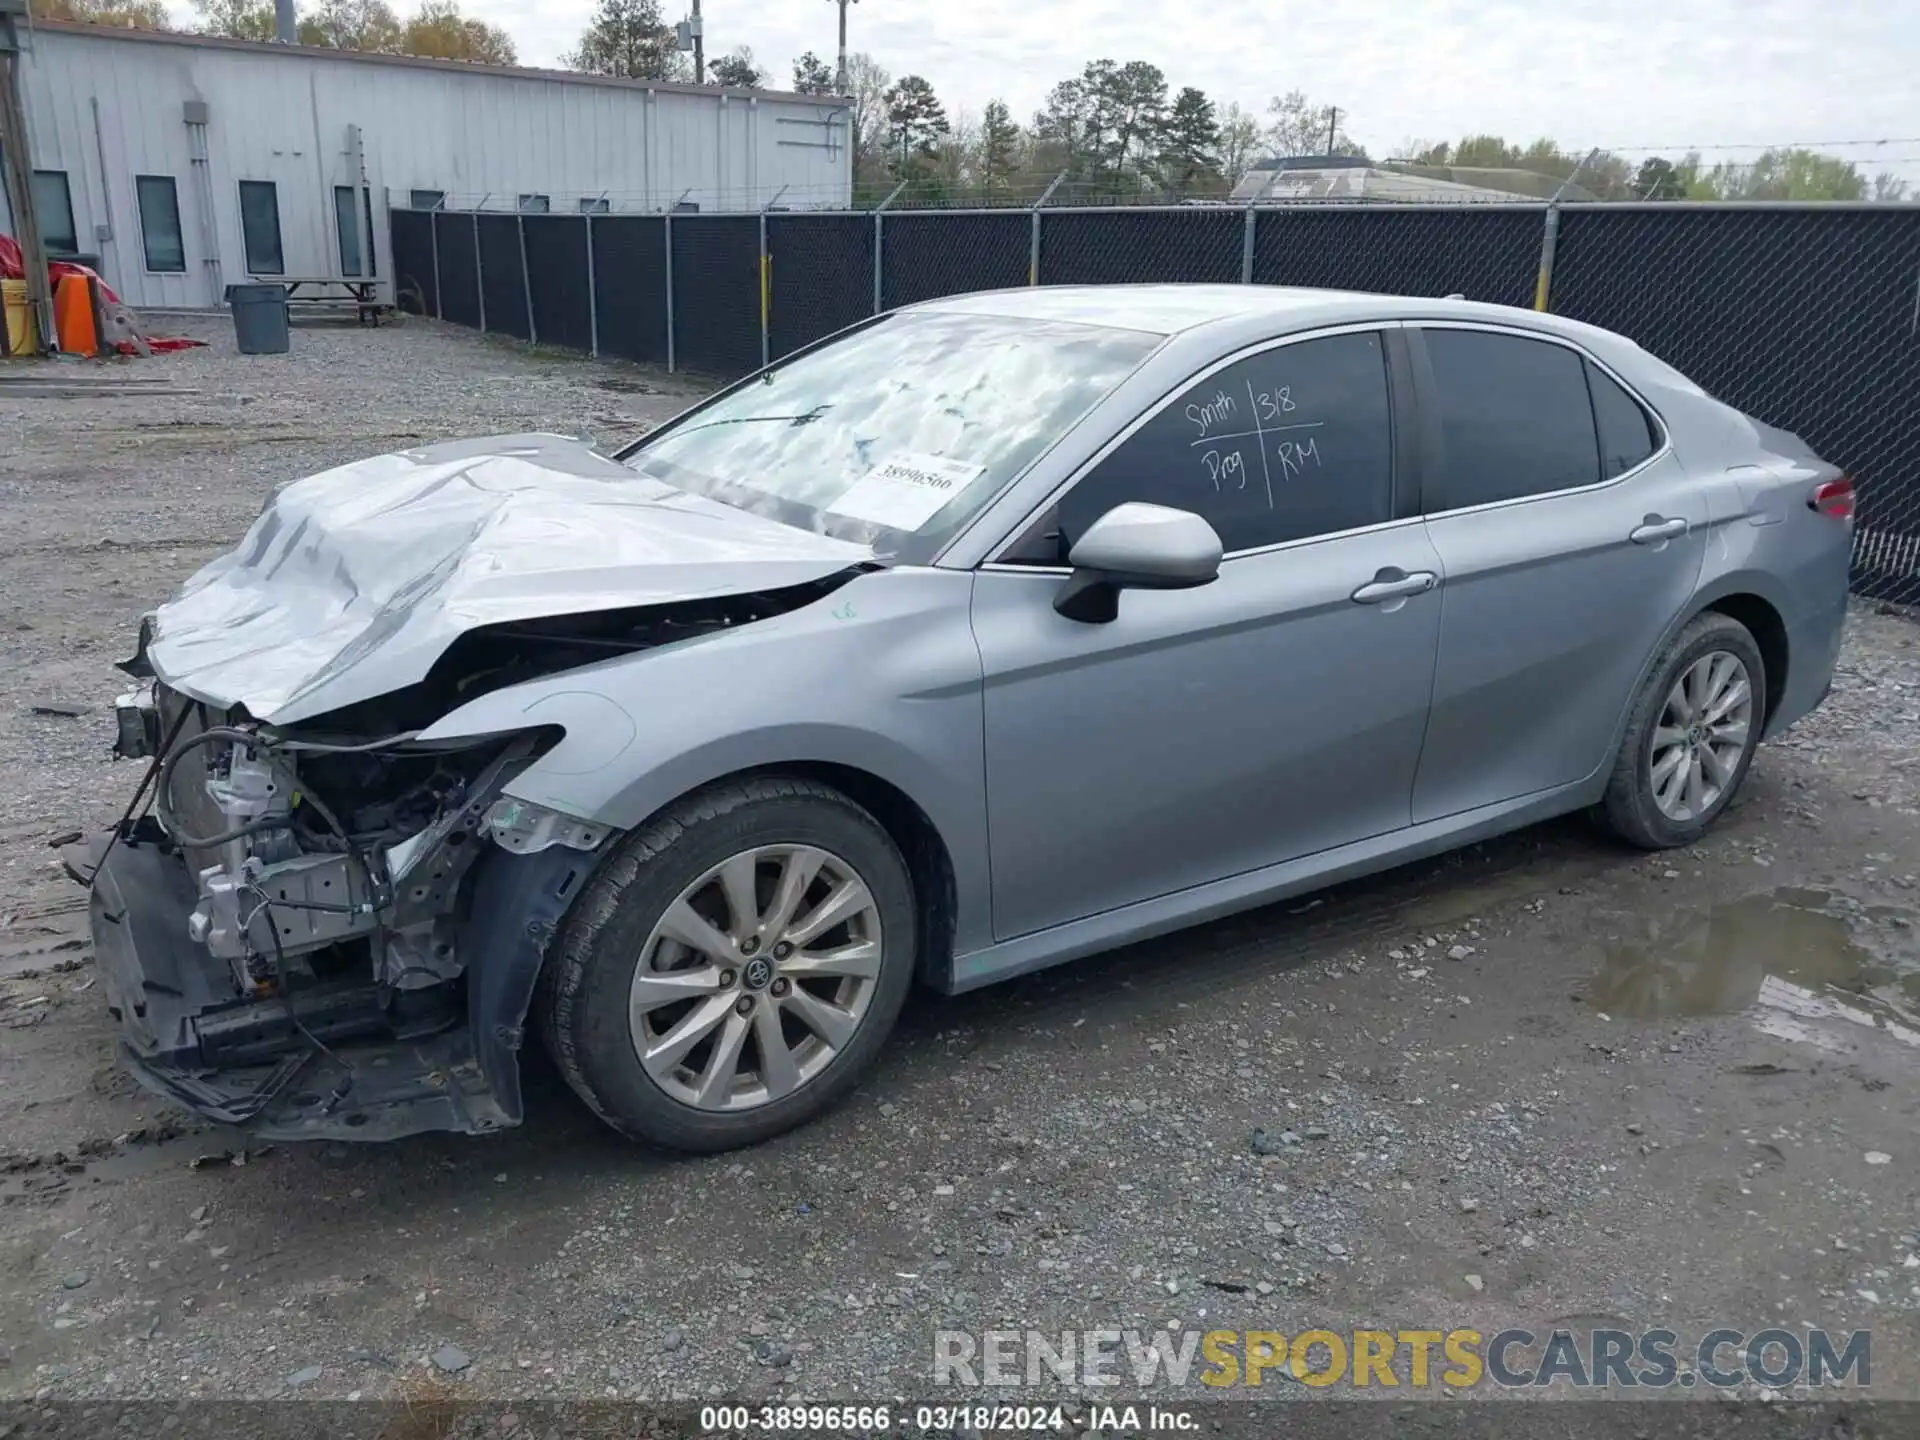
[188,1034]
[1813,650]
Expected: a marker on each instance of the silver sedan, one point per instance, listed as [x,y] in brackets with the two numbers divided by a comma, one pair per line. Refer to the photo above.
[990,633]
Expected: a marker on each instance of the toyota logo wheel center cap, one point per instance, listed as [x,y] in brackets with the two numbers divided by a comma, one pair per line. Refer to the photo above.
[758,974]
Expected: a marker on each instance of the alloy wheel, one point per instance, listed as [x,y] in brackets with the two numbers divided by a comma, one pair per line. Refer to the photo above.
[1701,735]
[756,977]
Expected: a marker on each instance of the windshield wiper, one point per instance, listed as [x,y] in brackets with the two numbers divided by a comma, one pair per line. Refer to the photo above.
[804,418]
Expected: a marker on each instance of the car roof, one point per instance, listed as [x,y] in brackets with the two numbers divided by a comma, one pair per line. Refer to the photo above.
[1162,309]
[1172,309]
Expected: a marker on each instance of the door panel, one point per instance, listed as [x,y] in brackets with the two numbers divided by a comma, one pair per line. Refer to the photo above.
[1204,733]
[1569,541]
[1551,613]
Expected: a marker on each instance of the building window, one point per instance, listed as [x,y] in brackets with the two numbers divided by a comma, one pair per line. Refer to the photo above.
[426,199]
[260,227]
[350,231]
[594,205]
[535,204]
[53,203]
[160,223]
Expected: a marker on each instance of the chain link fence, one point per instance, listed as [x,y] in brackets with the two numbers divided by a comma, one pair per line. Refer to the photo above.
[631,309]
[1804,316]
[1111,247]
[1806,319]
[559,280]
[1477,251]
[820,270]
[925,256]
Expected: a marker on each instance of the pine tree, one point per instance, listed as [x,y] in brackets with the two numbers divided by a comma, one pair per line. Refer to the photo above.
[736,71]
[812,75]
[999,144]
[915,119]
[1190,148]
[627,38]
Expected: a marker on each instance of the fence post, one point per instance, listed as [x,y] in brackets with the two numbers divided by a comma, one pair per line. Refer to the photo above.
[667,228]
[1549,239]
[593,299]
[526,280]
[879,290]
[1033,246]
[479,274]
[1246,250]
[766,291]
[433,239]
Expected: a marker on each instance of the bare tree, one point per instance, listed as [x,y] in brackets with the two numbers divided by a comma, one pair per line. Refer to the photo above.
[1240,142]
[1299,126]
[868,83]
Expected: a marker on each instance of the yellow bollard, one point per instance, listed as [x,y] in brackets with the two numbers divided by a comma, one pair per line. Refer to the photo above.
[23,336]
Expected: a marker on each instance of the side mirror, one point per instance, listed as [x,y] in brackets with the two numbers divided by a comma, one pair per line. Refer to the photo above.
[1136,547]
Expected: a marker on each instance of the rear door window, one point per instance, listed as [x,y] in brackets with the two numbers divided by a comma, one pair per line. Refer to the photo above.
[1516,418]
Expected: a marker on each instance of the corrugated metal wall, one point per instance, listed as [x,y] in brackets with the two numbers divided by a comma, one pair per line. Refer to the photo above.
[283,115]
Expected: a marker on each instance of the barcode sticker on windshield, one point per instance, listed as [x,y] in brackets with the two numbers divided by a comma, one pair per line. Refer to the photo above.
[905,492]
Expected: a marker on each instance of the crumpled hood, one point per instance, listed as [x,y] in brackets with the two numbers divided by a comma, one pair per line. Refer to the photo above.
[352,582]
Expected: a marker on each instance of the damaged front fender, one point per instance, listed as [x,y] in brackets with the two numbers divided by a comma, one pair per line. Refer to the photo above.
[518,902]
[317,1069]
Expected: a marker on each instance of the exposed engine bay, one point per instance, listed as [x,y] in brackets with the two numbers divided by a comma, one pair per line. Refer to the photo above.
[317,917]
[317,891]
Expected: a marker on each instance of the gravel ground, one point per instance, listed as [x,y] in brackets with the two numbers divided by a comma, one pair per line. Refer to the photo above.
[1528,1084]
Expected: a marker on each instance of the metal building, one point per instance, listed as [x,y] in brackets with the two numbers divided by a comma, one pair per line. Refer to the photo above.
[180,164]
[1291,178]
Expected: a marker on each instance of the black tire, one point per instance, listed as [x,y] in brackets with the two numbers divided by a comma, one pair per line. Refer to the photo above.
[1629,809]
[584,988]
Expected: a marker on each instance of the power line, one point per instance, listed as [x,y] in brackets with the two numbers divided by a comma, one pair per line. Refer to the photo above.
[1764,145]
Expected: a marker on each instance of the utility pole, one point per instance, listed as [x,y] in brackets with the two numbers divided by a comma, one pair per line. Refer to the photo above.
[16,175]
[699,48]
[1333,121]
[840,75]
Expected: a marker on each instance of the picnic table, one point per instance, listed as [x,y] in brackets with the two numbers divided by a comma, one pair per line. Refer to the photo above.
[360,291]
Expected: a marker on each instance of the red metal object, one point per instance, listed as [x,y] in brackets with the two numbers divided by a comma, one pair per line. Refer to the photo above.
[13,267]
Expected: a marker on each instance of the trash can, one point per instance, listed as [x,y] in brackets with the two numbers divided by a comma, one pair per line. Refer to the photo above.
[259,318]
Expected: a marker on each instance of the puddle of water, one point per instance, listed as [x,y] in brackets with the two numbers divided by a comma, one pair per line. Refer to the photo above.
[1782,955]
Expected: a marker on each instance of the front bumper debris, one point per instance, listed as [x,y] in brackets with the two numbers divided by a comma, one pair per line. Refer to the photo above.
[350,1061]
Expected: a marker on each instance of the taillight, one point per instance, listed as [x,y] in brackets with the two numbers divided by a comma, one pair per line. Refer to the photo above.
[1833,499]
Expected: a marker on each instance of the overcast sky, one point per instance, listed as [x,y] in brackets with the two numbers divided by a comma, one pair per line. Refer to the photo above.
[1627,74]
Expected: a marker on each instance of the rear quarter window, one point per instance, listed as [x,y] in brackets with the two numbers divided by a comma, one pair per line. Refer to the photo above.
[1628,435]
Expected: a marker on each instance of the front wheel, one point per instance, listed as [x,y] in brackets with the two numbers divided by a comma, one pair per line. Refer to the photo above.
[1691,736]
[734,967]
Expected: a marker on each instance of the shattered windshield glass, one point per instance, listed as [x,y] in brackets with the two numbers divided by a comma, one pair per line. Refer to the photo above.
[898,433]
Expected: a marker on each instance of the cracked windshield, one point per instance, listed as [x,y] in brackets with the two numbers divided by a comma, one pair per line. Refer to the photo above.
[897,434]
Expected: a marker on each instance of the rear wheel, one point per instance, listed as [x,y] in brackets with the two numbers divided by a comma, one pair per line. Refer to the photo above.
[734,967]
[1691,736]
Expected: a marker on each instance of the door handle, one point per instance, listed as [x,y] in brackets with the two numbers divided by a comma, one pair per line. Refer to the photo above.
[1656,530]
[1395,585]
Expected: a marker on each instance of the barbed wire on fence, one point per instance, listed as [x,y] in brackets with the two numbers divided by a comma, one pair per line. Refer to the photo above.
[1068,196]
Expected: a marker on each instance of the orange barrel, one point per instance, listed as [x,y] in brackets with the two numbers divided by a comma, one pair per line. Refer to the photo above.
[73,323]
